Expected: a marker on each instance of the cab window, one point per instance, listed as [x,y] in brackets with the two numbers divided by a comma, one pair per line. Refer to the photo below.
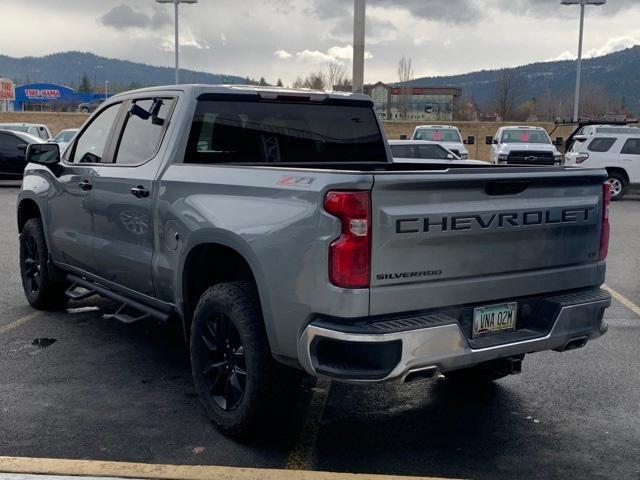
[91,143]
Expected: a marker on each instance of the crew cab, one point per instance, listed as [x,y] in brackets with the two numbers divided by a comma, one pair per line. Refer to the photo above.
[419,151]
[274,227]
[446,135]
[523,146]
[615,148]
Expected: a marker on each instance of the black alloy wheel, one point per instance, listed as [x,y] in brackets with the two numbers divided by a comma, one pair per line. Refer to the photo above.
[225,365]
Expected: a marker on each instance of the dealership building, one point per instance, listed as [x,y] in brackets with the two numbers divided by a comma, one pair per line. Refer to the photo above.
[49,97]
[423,103]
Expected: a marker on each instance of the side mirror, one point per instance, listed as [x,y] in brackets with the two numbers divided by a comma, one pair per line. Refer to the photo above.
[470,141]
[22,146]
[489,140]
[47,154]
[559,142]
[403,137]
[450,156]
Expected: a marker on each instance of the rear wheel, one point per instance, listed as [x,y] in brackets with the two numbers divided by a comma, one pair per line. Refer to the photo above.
[239,383]
[619,185]
[41,290]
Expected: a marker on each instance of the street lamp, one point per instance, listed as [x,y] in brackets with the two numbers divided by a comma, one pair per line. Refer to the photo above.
[106,89]
[359,17]
[583,4]
[176,3]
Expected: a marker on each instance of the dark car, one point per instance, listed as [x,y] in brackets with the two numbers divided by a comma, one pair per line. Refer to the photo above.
[90,107]
[13,146]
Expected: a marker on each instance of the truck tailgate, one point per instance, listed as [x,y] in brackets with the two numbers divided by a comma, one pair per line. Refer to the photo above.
[463,236]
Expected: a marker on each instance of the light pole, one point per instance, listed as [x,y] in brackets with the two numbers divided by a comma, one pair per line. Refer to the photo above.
[359,17]
[176,3]
[106,89]
[583,4]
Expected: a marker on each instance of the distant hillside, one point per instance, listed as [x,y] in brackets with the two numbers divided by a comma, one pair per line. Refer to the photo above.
[618,72]
[67,69]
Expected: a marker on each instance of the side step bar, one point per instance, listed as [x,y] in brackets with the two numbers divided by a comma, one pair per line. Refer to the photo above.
[127,304]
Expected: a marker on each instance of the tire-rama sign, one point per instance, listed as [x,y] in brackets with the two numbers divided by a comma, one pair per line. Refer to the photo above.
[42,93]
[7,90]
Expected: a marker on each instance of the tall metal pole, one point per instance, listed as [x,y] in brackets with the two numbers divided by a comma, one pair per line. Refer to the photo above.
[576,105]
[177,45]
[360,12]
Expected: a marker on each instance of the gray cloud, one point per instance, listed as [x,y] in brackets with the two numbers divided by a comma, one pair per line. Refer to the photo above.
[124,17]
[447,11]
[546,8]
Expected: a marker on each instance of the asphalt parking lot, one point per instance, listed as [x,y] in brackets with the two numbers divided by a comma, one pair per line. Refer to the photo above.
[78,385]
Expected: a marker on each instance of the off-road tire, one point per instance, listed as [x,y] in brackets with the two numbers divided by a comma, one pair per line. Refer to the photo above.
[269,387]
[41,290]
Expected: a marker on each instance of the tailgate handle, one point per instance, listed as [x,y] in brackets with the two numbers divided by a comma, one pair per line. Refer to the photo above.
[506,188]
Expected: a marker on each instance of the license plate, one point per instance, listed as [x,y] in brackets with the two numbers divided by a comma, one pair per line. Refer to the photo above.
[494,319]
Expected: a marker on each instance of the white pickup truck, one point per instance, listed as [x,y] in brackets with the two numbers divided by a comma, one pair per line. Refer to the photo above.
[523,146]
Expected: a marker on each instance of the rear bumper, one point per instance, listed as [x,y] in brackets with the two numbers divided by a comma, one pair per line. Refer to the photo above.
[421,345]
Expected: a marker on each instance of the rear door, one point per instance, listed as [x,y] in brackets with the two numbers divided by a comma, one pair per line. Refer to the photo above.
[464,236]
[122,197]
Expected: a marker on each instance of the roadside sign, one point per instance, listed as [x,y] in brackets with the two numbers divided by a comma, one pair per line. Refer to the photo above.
[7,90]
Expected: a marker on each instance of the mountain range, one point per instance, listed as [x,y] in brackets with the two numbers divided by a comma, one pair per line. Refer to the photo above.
[617,73]
[67,69]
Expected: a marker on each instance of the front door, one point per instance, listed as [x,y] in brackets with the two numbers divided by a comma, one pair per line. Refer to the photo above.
[71,213]
[122,197]
[631,159]
[12,151]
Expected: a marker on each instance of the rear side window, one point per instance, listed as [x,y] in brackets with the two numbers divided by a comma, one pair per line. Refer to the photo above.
[276,132]
[632,147]
[601,144]
[141,137]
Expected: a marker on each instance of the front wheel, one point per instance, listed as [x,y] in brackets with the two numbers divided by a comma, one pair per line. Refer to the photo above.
[239,383]
[41,290]
[619,185]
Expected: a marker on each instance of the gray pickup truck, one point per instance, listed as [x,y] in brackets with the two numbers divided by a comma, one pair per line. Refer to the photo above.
[275,227]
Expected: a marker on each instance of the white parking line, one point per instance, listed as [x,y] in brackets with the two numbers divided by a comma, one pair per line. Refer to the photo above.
[21,321]
[623,300]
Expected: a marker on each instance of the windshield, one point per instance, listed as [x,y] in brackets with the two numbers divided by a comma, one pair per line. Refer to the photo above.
[438,135]
[427,152]
[277,132]
[522,135]
[64,136]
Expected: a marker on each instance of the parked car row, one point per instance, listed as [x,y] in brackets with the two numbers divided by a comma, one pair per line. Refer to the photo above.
[16,137]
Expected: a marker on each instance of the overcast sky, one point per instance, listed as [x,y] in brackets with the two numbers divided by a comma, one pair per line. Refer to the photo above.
[287,38]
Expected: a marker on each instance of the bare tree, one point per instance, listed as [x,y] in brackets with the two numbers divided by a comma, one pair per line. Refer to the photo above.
[506,93]
[336,74]
[405,75]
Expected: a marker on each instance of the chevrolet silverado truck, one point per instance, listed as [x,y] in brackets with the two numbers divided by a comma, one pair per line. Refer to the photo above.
[274,226]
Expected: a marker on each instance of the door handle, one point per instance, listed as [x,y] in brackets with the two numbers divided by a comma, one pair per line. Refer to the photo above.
[140,192]
[85,185]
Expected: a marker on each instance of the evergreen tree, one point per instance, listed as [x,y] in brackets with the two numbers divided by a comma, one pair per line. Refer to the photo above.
[279,84]
[85,84]
[263,82]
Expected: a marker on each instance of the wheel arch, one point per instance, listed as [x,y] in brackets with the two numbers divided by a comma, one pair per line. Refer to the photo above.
[27,209]
[210,263]
[619,170]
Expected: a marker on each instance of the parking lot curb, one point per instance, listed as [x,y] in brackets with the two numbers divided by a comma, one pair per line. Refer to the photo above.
[91,468]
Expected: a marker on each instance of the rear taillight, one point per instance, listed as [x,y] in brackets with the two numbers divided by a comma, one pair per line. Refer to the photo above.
[582,157]
[350,254]
[606,228]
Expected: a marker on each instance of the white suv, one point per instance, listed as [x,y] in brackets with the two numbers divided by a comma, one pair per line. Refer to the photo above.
[523,146]
[447,136]
[616,148]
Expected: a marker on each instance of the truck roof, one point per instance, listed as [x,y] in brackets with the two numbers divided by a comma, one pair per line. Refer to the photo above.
[271,93]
